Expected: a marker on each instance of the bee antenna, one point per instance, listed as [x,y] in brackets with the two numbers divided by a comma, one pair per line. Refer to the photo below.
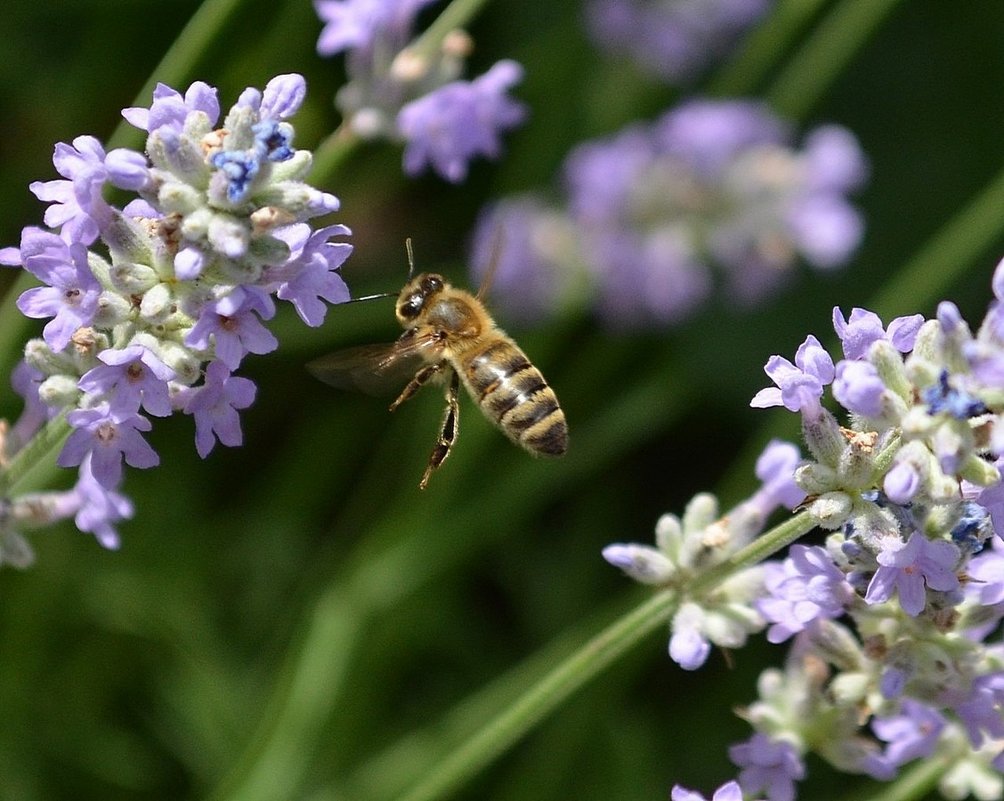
[411,257]
[377,296]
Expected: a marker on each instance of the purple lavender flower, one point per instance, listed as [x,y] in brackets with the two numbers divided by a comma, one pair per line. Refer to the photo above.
[902,482]
[799,385]
[533,249]
[357,24]
[775,467]
[807,586]
[767,765]
[77,200]
[170,109]
[980,708]
[672,40]
[99,508]
[310,274]
[911,734]
[235,328]
[730,791]
[710,185]
[281,99]
[70,296]
[108,438]
[864,327]
[985,575]
[214,406]
[130,377]
[910,568]
[449,126]
[689,646]
[858,388]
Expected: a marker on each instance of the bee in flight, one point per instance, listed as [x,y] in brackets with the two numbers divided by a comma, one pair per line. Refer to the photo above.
[450,337]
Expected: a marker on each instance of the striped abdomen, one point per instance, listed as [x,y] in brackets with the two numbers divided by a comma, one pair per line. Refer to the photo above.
[514,395]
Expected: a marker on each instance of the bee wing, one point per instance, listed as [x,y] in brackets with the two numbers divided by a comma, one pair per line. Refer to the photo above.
[373,369]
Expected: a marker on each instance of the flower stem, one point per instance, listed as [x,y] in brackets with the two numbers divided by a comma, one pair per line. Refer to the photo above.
[816,65]
[585,664]
[332,152]
[456,15]
[192,44]
[35,451]
[763,48]
[13,324]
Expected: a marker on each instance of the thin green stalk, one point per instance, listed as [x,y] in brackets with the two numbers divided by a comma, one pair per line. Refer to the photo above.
[763,48]
[824,55]
[14,326]
[588,662]
[193,43]
[34,453]
[456,15]
[332,152]
[311,685]
[913,784]
[946,256]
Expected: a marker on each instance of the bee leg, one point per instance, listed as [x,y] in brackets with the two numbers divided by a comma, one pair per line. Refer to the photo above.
[448,433]
[421,378]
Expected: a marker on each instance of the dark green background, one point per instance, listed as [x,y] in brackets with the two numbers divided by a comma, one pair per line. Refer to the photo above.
[146,673]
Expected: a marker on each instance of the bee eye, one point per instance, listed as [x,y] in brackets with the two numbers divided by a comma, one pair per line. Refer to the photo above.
[411,307]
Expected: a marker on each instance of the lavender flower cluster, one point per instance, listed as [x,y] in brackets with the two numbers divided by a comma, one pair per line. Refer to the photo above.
[152,307]
[395,93]
[673,40]
[894,621]
[653,211]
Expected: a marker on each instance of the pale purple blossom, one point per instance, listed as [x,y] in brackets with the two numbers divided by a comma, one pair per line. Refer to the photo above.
[128,378]
[672,40]
[170,109]
[70,296]
[910,568]
[108,438]
[310,275]
[985,575]
[858,387]
[100,508]
[799,386]
[451,125]
[911,734]
[76,201]
[981,710]
[730,791]
[232,326]
[902,482]
[214,406]
[644,564]
[770,766]
[805,587]
[359,24]
[863,327]
[775,467]
[689,646]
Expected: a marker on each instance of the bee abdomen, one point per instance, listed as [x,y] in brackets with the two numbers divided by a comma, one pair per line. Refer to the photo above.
[514,395]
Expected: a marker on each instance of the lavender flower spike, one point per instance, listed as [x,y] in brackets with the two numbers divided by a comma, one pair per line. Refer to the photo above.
[151,306]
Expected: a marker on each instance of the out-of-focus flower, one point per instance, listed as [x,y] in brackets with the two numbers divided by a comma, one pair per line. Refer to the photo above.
[395,93]
[714,191]
[672,39]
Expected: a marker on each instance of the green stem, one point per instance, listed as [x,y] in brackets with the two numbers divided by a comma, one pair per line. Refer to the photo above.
[912,785]
[589,661]
[946,256]
[192,43]
[14,326]
[311,685]
[34,453]
[456,15]
[330,154]
[816,65]
[763,48]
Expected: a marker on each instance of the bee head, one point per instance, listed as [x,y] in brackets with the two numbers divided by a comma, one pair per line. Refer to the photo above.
[417,293]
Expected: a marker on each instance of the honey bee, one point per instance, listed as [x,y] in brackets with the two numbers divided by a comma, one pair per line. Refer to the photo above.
[450,337]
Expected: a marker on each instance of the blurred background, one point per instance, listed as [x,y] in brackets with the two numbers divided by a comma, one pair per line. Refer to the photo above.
[293,618]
